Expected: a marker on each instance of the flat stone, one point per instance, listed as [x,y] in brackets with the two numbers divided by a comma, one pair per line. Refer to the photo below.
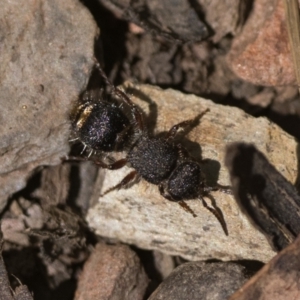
[139,215]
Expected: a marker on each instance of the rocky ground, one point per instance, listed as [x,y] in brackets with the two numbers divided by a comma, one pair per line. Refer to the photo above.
[176,60]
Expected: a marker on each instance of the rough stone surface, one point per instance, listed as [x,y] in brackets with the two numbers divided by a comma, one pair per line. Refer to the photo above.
[183,19]
[198,280]
[174,20]
[220,22]
[164,264]
[112,272]
[140,215]
[46,57]
[279,279]
[261,53]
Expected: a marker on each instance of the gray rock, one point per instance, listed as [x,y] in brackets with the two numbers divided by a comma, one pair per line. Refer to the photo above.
[175,20]
[220,22]
[199,280]
[182,19]
[46,58]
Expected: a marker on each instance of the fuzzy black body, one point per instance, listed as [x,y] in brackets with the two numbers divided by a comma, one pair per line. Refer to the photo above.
[185,182]
[153,158]
[101,125]
[159,160]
